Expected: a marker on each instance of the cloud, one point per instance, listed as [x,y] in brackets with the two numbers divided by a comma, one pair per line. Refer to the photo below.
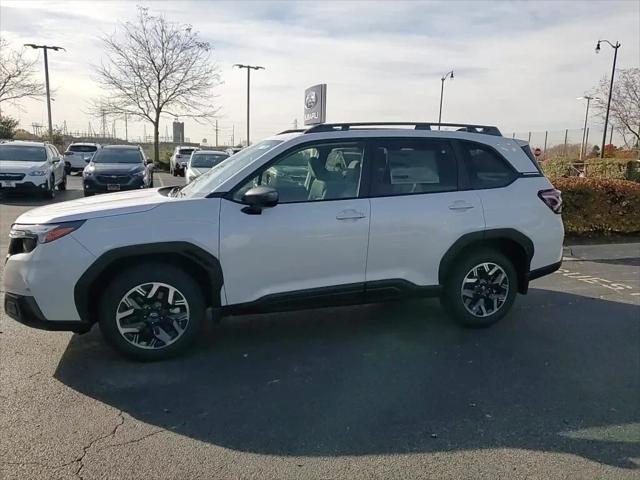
[518,64]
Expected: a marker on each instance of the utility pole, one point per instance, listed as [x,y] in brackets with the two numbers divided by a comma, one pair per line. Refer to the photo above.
[216,132]
[249,68]
[233,135]
[613,71]
[583,146]
[295,123]
[46,77]
[126,129]
[448,74]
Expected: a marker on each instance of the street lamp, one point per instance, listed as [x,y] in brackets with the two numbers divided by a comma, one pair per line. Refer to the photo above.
[613,71]
[448,74]
[583,145]
[46,77]
[249,68]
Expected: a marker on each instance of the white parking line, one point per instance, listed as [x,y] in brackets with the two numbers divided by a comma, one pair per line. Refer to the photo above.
[160,180]
[601,282]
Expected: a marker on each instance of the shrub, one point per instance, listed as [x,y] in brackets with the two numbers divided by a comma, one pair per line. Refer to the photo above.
[599,206]
[613,168]
[556,167]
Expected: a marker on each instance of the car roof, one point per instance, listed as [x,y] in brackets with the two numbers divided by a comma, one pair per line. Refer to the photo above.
[85,144]
[121,147]
[25,143]
[199,152]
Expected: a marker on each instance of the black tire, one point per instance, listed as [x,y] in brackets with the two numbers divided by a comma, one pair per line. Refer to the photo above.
[452,298]
[143,274]
[63,184]
[88,194]
[50,193]
[173,172]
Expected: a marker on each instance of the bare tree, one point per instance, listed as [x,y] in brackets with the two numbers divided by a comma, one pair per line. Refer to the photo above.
[625,101]
[16,75]
[156,67]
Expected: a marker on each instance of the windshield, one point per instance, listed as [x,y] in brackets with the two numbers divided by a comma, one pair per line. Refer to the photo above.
[207,160]
[82,148]
[124,155]
[208,181]
[21,153]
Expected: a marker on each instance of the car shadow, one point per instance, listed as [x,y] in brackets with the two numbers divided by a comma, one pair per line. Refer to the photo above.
[36,200]
[390,378]
[630,261]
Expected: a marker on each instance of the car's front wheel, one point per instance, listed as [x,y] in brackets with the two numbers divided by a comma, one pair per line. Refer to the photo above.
[50,192]
[63,184]
[152,312]
[481,288]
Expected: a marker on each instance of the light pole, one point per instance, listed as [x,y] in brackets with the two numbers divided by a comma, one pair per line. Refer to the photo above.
[613,71]
[448,74]
[249,68]
[46,77]
[584,129]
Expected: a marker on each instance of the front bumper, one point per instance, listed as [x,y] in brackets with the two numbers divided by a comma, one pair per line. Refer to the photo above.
[93,185]
[31,185]
[25,310]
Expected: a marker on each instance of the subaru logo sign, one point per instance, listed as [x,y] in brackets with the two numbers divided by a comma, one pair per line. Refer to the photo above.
[315,104]
[310,100]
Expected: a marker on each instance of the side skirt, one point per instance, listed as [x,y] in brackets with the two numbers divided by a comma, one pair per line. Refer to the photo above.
[341,295]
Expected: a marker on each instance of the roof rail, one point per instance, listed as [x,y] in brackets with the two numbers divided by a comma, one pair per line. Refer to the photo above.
[462,127]
[291,130]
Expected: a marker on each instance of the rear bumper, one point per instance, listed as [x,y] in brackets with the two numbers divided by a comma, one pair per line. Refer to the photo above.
[25,310]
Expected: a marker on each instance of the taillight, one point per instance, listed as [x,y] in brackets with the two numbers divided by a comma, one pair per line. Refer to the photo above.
[552,199]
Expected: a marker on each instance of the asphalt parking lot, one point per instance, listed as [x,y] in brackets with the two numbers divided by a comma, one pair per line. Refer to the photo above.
[379,391]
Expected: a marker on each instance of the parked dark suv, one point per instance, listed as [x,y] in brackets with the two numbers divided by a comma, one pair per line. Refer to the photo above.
[117,167]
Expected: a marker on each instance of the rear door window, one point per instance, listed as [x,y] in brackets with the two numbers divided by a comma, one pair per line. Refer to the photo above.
[485,167]
[186,151]
[412,166]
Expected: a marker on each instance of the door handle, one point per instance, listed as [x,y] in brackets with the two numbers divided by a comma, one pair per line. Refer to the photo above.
[460,205]
[350,215]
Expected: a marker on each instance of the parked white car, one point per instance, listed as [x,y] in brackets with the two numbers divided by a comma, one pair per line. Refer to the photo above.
[34,167]
[201,161]
[179,160]
[381,213]
[78,155]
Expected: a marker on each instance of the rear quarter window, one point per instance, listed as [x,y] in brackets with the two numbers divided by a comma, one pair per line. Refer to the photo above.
[485,167]
[82,148]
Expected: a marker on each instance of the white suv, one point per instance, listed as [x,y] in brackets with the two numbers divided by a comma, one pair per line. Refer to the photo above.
[31,167]
[373,214]
[78,155]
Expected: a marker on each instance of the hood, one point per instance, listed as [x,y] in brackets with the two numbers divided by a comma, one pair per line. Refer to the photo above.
[17,166]
[106,205]
[199,170]
[115,167]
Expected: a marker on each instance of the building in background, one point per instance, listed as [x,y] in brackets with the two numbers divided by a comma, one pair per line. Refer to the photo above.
[178,132]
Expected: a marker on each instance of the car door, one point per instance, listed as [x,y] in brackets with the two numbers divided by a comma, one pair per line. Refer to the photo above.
[312,245]
[417,210]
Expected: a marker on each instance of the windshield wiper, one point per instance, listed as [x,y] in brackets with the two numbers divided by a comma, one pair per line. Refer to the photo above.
[175,191]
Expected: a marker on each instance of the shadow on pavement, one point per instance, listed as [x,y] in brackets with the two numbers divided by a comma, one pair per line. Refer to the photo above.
[37,200]
[630,262]
[394,378]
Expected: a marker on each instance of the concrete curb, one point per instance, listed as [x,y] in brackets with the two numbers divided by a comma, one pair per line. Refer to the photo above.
[613,251]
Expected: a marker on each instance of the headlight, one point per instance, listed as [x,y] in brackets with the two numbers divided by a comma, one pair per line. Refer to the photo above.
[87,172]
[44,233]
[139,174]
[38,173]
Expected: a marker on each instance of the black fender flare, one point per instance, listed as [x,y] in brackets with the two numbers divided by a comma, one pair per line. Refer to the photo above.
[494,234]
[189,251]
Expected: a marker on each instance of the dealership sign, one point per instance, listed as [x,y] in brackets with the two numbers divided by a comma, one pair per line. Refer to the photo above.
[315,104]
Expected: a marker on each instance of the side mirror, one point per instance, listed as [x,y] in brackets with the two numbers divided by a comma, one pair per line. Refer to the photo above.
[55,160]
[148,161]
[259,198]
[68,153]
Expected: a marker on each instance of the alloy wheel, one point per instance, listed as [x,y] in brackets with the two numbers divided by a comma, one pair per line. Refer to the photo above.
[484,289]
[152,315]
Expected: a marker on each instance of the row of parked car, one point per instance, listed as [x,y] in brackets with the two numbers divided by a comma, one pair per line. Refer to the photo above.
[39,167]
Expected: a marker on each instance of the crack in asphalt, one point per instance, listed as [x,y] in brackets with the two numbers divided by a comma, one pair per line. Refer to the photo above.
[135,440]
[85,449]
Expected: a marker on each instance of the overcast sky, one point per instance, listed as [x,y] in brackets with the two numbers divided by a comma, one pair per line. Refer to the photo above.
[519,65]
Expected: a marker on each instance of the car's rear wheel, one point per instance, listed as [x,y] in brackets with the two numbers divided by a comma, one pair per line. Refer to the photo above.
[173,172]
[481,288]
[63,184]
[152,312]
